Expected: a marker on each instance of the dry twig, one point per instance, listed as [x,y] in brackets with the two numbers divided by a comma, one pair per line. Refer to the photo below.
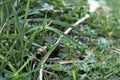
[92,8]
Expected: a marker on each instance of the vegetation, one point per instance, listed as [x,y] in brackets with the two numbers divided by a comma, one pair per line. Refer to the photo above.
[29,30]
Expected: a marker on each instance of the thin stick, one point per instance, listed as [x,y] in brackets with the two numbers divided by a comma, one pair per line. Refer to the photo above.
[58,41]
[69,62]
[75,24]
[69,29]
[49,73]
[40,77]
[115,72]
[78,22]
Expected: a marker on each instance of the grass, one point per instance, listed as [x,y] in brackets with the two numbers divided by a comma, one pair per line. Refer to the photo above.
[91,51]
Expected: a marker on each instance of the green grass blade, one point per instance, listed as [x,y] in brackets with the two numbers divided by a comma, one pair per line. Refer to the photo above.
[63,24]
[3,26]
[48,54]
[73,74]
[32,29]
[26,12]
[8,63]
[5,2]
[16,19]
[42,61]
[32,36]
[16,73]
[62,34]
[56,22]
